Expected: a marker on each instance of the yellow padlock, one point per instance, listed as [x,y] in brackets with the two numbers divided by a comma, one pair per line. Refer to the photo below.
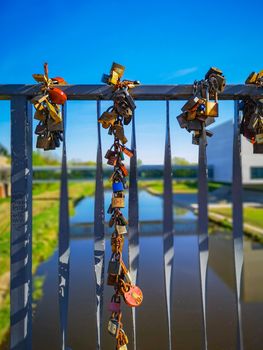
[252,78]
[211,109]
[54,113]
[259,138]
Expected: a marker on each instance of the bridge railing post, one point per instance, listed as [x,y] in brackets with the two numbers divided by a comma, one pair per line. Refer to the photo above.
[21,224]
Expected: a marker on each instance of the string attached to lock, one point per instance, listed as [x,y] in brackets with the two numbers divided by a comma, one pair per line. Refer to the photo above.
[114,119]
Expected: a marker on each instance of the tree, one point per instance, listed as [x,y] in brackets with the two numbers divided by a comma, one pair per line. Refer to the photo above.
[3,151]
[180,161]
[139,162]
[39,158]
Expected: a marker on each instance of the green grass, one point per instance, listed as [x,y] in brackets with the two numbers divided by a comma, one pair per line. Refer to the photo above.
[45,234]
[253,216]
[156,186]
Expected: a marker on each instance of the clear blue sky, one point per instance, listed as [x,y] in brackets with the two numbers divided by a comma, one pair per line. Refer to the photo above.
[160,42]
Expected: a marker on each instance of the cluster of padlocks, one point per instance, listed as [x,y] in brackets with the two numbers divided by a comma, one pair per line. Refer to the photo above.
[201,110]
[252,121]
[49,130]
[118,275]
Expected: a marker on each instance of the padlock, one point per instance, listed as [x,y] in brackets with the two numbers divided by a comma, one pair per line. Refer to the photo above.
[122,347]
[56,139]
[42,141]
[123,169]
[211,109]
[119,132]
[192,104]
[121,229]
[259,138]
[114,327]
[127,151]
[112,280]
[133,297]
[209,121]
[40,78]
[118,200]
[40,129]
[122,221]
[57,96]
[195,139]
[213,70]
[117,186]
[217,82]
[54,112]
[112,157]
[182,120]
[252,78]
[108,117]
[39,99]
[194,125]
[51,144]
[53,126]
[40,114]
[190,115]
[253,122]
[59,80]
[123,338]
[117,242]
[114,267]
[115,303]
[117,68]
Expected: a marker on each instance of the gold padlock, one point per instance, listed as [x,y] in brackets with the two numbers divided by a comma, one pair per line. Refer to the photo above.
[211,109]
[259,138]
[121,229]
[108,118]
[118,200]
[40,114]
[54,113]
[252,78]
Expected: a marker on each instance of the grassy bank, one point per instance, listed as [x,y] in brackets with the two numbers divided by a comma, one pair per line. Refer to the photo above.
[45,228]
[156,186]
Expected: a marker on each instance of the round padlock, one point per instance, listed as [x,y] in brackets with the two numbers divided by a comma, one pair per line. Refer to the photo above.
[57,96]
[133,297]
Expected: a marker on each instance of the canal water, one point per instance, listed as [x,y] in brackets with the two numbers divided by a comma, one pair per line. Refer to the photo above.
[151,316]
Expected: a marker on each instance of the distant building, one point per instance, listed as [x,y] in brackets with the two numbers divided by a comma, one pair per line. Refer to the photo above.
[219,156]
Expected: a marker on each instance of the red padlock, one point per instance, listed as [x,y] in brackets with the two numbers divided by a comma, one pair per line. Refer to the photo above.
[58,80]
[133,297]
[57,96]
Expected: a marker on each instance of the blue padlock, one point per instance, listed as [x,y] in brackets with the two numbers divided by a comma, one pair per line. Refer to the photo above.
[117,186]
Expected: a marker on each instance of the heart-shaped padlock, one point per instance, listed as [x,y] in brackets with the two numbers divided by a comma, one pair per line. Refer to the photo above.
[133,297]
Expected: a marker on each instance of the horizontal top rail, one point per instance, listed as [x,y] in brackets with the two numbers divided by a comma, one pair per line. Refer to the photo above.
[142,92]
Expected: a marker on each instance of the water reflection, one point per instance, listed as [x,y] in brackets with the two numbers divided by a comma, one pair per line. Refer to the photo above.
[151,321]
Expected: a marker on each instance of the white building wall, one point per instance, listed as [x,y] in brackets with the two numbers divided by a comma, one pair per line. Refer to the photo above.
[250,160]
[219,155]
[219,151]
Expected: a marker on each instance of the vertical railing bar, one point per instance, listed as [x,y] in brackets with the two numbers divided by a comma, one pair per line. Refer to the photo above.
[168,243]
[203,224]
[133,232]
[21,225]
[237,192]
[64,241]
[99,234]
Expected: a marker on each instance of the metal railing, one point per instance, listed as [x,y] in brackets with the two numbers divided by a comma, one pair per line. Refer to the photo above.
[21,202]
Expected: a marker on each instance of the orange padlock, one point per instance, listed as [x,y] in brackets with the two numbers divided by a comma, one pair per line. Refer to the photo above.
[57,96]
[123,169]
[58,80]
[133,297]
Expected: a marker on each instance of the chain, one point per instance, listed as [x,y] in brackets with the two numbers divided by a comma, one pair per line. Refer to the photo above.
[114,119]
